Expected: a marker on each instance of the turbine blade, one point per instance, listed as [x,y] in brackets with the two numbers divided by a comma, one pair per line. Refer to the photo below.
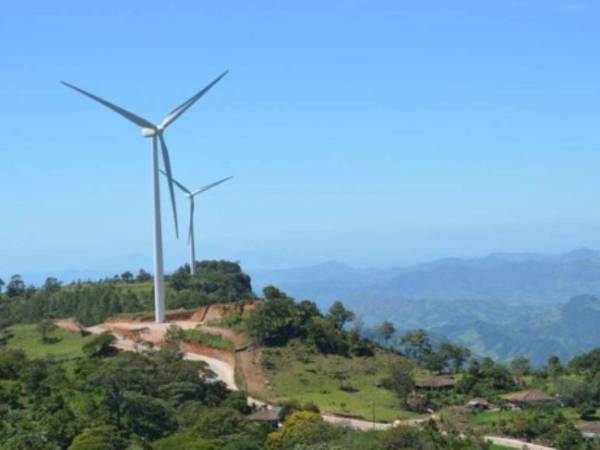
[167,164]
[177,183]
[191,232]
[123,112]
[173,115]
[210,186]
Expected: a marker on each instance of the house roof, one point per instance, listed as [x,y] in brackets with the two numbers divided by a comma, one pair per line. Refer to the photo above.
[528,396]
[589,427]
[266,415]
[478,401]
[436,382]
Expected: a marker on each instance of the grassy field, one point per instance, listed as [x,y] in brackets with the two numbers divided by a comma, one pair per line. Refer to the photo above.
[28,339]
[491,417]
[336,384]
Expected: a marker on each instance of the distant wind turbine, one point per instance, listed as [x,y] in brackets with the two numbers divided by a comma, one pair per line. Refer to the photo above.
[190,195]
[156,133]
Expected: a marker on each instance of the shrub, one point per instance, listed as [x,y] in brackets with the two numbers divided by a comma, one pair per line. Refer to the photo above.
[210,340]
[101,345]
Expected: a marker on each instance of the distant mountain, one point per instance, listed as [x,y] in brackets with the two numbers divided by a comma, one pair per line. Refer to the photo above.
[512,277]
[566,331]
[502,305]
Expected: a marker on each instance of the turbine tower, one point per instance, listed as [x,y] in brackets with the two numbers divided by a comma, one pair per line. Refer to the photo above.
[150,130]
[190,195]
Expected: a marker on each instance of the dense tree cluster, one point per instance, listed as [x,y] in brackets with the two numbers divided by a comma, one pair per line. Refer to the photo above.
[442,357]
[220,281]
[279,319]
[117,400]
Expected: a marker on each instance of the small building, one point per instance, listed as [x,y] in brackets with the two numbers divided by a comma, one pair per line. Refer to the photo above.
[589,429]
[271,415]
[479,404]
[529,398]
[436,384]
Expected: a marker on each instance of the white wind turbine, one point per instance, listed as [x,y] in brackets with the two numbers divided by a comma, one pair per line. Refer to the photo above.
[190,195]
[156,133]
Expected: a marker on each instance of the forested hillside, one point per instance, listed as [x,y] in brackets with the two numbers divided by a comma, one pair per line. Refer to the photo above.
[92,302]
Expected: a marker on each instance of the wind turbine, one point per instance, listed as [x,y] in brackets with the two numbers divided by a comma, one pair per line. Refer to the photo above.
[190,195]
[150,130]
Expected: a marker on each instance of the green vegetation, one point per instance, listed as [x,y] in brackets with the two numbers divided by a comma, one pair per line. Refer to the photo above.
[307,430]
[92,302]
[62,390]
[110,400]
[336,384]
[210,340]
[157,400]
[65,345]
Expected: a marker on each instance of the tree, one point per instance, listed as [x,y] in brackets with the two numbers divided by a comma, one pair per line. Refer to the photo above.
[324,336]
[400,380]
[127,277]
[181,279]
[272,293]
[12,362]
[339,315]
[569,438]
[102,437]
[148,417]
[143,276]
[15,287]
[51,285]
[415,344]
[273,321]
[397,438]
[519,368]
[455,354]
[183,441]
[1,285]
[554,366]
[574,391]
[298,429]
[100,345]
[219,422]
[386,330]
[586,411]
[45,327]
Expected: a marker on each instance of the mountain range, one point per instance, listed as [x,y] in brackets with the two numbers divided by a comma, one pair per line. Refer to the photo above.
[512,277]
[503,305]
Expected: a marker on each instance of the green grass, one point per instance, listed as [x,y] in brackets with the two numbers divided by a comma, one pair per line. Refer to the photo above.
[210,340]
[491,417]
[500,447]
[336,384]
[28,339]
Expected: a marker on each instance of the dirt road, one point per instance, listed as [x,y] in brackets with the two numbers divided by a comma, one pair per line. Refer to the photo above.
[515,443]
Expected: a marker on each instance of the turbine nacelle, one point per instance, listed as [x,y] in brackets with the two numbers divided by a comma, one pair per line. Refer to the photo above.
[150,132]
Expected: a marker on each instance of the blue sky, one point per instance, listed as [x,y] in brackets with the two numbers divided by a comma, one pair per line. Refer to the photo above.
[376,133]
